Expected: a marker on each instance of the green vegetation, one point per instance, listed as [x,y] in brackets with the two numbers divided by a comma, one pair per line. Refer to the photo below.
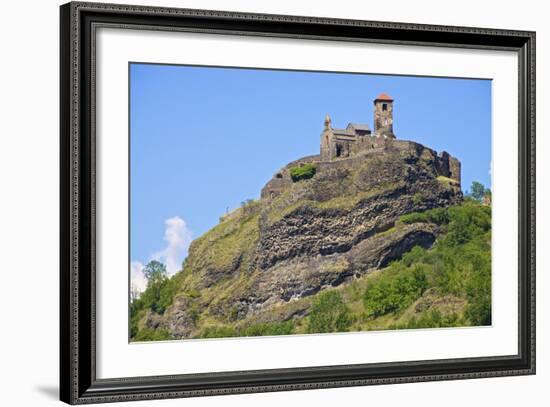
[222,245]
[431,319]
[273,328]
[395,290]
[447,182]
[342,202]
[305,171]
[221,248]
[261,329]
[221,331]
[149,334]
[348,202]
[478,192]
[460,262]
[444,286]
[158,296]
[417,198]
[329,314]
[439,216]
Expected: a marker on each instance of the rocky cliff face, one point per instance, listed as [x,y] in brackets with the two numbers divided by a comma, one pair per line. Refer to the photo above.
[315,233]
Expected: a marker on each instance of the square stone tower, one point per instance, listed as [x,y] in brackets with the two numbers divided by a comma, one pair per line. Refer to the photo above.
[383,116]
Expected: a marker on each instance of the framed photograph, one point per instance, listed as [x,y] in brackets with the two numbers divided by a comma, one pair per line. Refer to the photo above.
[254,203]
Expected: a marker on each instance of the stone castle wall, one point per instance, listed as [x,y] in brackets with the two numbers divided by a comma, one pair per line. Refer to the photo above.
[443,164]
[282,180]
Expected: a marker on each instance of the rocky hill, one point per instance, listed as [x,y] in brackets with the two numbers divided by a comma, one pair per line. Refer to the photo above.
[319,225]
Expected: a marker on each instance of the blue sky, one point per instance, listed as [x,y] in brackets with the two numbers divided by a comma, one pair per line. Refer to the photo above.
[204,139]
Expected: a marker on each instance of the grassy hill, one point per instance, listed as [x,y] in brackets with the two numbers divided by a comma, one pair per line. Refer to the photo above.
[446,284]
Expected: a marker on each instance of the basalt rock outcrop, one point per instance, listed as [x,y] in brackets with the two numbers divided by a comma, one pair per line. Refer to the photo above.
[306,235]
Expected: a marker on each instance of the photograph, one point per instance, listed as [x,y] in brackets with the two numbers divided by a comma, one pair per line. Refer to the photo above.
[270,199]
[267,202]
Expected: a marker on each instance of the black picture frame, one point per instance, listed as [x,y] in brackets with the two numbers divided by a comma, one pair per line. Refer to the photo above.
[78,382]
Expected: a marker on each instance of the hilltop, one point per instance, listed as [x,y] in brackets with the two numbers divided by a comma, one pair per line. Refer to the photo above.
[372,233]
[332,227]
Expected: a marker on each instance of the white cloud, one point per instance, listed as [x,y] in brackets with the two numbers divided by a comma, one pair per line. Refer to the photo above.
[178,238]
[138,282]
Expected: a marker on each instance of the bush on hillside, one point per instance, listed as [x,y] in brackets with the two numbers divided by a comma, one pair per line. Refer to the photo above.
[329,314]
[305,171]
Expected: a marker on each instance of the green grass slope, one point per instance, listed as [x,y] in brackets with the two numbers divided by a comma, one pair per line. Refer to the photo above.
[444,286]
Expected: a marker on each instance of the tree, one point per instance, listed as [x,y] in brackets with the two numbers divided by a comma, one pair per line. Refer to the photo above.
[155,272]
[134,293]
[329,313]
[477,191]
[156,275]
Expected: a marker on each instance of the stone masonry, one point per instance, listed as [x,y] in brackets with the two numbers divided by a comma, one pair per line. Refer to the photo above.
[358,140]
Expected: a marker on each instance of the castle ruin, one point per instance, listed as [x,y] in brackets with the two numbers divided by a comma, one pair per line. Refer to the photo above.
[346,146]
[342,143]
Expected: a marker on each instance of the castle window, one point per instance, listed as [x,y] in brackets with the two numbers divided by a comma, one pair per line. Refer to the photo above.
[384,106]
[279,175]
[338,151]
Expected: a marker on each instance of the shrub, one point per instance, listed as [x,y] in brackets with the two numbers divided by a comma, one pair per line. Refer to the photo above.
[218,331]
[329,314]
[193,293]
[438,216]
[431,319]
[135,316]
[394,291]
[158,296]
[305,171]
[273,328]
[478,191]
[458,264]
[149,334]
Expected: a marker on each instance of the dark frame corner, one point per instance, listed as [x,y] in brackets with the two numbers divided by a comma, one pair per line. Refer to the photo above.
[78,382]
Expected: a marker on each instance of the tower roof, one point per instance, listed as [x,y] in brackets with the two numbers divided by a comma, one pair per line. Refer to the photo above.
[384,96]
